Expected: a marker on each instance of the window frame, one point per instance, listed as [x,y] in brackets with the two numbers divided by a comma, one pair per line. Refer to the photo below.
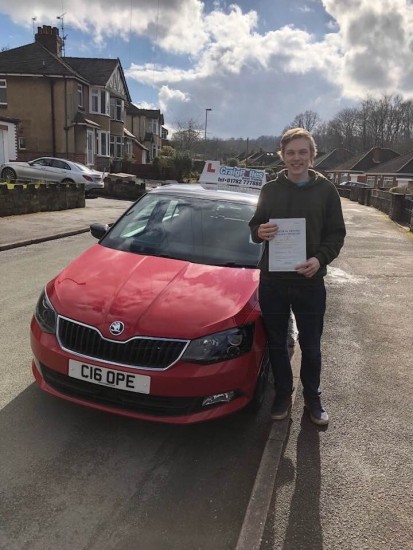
[80,96]
[117,109]
[127,147]
[21,139]
[116,142]
[155,151]
[155,126]
[3,86]
[99,94]
[100,134]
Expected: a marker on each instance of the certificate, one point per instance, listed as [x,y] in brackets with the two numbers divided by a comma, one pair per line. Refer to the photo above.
[288,247]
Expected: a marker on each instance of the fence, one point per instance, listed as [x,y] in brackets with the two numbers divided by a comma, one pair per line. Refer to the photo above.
[381,200]
[397,206]
[407,216]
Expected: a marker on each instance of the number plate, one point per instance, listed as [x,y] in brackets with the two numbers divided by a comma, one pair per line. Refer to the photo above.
[120,380]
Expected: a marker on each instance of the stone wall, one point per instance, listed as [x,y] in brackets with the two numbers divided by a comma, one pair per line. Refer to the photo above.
[18,199]
[123,188]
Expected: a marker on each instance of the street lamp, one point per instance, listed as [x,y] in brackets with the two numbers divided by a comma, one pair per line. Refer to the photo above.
[206,121]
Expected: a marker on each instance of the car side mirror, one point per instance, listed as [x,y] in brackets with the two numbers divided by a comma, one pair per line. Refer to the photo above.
[99,230]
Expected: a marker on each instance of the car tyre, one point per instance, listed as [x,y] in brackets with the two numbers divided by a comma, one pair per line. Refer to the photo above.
[8,174]
[67,180]
[259,392]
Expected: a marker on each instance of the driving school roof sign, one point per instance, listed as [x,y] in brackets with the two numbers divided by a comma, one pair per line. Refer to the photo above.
[248,180]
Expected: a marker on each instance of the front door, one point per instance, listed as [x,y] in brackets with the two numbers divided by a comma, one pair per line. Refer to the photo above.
[89,147]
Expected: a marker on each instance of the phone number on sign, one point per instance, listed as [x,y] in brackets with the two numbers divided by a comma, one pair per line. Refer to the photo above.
[253,183]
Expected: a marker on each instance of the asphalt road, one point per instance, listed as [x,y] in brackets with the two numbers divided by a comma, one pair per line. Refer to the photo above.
[350,487]
[72,478]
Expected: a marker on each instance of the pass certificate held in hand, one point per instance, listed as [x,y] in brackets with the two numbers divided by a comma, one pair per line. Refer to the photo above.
[288,248]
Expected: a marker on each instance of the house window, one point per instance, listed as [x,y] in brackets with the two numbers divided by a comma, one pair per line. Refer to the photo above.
[154,150]
[388,182]
[370,180]
[116,109]
[99,102]
[22,143]
[3,92]
[103,144]
[116,147]
[80,95]
[104,102]
[155,127]
[127,148]
[94,101]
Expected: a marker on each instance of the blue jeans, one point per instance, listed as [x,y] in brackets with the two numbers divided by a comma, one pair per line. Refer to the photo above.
[308,303]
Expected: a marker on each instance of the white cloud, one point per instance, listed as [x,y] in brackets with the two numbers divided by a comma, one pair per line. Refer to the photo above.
[250,78]
[169,97]
[376,41]
[145,105]
[175,25]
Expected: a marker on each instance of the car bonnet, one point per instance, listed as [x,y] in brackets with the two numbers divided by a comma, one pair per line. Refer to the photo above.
[153,296]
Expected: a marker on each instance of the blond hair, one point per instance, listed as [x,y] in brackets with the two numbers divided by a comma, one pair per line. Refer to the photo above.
[295,133]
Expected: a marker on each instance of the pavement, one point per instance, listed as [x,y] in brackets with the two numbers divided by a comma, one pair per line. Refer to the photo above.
[26,229]
[368,229]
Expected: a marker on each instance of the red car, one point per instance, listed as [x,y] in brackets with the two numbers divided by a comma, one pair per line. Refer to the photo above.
[160,320]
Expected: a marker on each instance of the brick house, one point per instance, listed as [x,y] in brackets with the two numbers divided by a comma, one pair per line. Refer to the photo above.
[395,172]
[355,167]
[146,125]
[70,107]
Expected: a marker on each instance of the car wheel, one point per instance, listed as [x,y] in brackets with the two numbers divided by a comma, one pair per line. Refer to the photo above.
[68,180]
[8,174]
[259,393]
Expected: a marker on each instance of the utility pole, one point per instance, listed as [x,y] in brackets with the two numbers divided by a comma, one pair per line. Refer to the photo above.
[33,20]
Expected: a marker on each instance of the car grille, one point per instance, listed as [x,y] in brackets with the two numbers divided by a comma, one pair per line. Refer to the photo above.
[149,353]
[151,405]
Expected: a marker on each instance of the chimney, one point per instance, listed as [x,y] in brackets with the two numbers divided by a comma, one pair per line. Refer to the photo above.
[376,155]
[49,38]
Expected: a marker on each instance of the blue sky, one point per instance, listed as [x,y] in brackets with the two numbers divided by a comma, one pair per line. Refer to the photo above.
[255,63]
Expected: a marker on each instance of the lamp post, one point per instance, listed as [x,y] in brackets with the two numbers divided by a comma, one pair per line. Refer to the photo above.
[206,122]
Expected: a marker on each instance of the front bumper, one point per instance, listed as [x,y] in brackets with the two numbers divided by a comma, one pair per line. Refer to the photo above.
[176,394]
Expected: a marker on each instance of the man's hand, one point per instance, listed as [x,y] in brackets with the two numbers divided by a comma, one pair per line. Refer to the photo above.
[267,231]
[308,268]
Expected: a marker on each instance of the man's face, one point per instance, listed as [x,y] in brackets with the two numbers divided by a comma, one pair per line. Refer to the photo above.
[297,159]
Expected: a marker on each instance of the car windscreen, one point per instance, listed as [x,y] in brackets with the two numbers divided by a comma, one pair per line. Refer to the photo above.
[198,230]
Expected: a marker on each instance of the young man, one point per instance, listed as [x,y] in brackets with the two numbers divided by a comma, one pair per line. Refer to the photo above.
[298,192]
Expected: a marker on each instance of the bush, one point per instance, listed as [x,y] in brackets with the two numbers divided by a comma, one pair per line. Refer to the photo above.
[232,162]
[401,190]
[176,166]
[182,163]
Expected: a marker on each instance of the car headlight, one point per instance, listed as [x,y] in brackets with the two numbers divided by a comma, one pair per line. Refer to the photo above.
[45,314]
[221,346]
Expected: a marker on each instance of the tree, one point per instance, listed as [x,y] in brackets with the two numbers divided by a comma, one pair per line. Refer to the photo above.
[187,136]
[307,120]
[5,48]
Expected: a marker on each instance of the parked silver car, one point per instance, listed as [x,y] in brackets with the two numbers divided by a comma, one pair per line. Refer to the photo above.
[53,170]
